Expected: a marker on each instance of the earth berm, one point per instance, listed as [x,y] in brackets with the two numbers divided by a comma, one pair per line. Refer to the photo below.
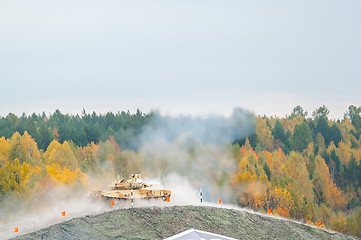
[160,223]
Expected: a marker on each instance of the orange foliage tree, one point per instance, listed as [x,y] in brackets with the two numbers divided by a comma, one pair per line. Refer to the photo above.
[325,190]
[277,199]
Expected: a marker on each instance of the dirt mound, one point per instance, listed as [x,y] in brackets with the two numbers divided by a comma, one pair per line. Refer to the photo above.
[160,223]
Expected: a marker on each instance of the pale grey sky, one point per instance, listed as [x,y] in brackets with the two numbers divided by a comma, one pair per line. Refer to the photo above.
[188,57]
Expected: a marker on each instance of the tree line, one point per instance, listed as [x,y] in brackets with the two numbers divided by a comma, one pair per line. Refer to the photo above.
[80,129]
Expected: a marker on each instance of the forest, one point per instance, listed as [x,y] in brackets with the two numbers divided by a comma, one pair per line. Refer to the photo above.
[302,167]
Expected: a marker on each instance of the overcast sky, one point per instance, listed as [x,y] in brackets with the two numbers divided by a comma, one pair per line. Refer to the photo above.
[180,57]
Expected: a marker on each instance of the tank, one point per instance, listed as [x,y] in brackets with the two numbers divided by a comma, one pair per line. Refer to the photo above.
[124,188]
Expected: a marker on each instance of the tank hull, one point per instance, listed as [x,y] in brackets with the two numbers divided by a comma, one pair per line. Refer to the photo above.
[137,194]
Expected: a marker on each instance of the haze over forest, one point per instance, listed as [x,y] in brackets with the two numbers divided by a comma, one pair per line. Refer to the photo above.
[248,160]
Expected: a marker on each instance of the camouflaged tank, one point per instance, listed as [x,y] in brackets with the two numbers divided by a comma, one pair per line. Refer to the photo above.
[123,189]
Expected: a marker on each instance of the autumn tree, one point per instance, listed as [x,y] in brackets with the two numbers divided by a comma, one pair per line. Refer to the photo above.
[16,149]
[297,169]
[278,165]
[30,148]
[264,134]
[64,174]
[13,176]
[276,199]
[250,179]
[61,154]
[87,156]
[325,190]
[4,149]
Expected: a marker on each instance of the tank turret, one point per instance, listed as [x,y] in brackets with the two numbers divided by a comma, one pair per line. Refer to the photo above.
[130,183]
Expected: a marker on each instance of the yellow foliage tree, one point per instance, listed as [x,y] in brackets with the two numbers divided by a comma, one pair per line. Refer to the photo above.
[246,172]
[16,149]
[14,176]
[296,168]
[290,125]
[269,158]
[331,147]
[344,151]
[61,154]
[250,181]
[279,161]
[30,147]
[4,149]
[345,127]
[340,224]
[264,134]
[63,174]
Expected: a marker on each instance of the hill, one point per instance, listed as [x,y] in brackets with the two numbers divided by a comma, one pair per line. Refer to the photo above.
[160,223]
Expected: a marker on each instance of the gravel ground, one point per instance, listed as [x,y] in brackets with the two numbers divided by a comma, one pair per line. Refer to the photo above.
[160,223]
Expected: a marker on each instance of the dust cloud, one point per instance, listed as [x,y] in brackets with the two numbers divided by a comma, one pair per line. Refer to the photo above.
[79,204]
[198,149]
[40,216]
[183,154]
